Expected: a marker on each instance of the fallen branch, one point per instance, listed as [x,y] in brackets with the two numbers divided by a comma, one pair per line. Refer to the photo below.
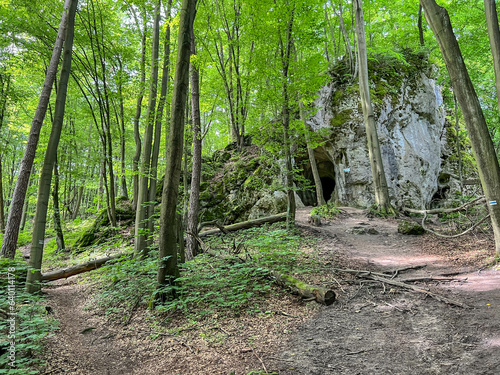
[453,235]
[473,202]
[80,268]
[245,224]
[417,289]
[383,279]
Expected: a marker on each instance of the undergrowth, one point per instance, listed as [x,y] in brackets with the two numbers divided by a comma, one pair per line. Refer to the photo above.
[208,284]
[26,329]
[328,211]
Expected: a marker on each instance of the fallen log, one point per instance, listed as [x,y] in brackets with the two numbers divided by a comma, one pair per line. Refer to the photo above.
[306,291]
[245,224]
[79,268]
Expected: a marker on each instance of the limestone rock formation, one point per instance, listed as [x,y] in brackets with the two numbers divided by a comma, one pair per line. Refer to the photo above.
[411,127]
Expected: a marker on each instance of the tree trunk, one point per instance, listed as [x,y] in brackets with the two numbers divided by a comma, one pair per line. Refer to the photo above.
[482,145]
[312,160]
[4,91]
[194,198]
[490,9]
[123,178]
[168,270]
[137,117]
[80,268]
[379,180]
[158,124]
[57,213]
[35,263]
[285,51]
[74,215]
[245,224]
[16,207]
[2,215]
[346,38]
[141,220]
[420,28]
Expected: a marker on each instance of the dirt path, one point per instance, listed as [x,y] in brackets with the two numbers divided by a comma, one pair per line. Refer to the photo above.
[370,330]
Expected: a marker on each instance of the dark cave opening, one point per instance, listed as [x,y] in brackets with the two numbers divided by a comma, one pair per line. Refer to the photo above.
[328,185]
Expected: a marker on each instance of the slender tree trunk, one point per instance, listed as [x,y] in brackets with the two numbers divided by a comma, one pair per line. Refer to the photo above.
[346,37]
[482,146]
[494,37]
[459,150]
[168,269]
[57,213]
[16,206]
[137,117]
[141,219]
[5,84]
[312,160]
[2,214]
[285,51]
[35,263]
[158,124]
[123,178]
[194,198]
[420,28]
[379,180]
[74,215]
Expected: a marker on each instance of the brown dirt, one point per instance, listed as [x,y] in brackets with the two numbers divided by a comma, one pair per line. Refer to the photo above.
[371,329]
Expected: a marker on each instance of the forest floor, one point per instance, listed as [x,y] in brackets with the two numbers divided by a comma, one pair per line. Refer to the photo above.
[371,329]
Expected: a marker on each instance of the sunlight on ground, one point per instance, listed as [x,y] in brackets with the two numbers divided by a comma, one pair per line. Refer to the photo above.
[481,281]
[492,341]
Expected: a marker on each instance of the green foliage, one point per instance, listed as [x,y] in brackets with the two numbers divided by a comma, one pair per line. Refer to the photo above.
[328,210]
[125,284]
[207,283]
[32,324]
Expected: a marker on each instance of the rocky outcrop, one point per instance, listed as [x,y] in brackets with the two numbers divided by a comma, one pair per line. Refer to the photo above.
[411,128]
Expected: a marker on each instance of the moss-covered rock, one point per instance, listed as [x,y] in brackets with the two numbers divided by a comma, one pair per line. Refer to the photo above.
[410,227]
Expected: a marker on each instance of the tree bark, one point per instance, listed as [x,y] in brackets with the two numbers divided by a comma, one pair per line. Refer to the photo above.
[74,215]
[4,91]
[245,224]
[165,81]
[285,52]
[142,233]
[194,198]
[35,263]
[57,213]
[379,180]
[80,268]
[15,212]
[490,9]
[482,146]
[420,28]
[312,160]
[137,117]
[168,270]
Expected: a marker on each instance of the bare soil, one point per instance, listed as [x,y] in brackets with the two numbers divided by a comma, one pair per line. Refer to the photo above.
[371,329]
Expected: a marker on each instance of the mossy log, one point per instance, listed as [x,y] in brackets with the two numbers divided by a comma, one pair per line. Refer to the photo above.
[246,224]
[79,268]
[306,291]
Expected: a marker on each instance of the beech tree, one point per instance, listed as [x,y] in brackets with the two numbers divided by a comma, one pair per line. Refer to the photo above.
[377,166]
[33,277]
[143,203]
[482,146]
[168,269]
[15,212]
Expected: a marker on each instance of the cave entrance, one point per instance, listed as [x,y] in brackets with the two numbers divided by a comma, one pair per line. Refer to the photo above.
[328,185]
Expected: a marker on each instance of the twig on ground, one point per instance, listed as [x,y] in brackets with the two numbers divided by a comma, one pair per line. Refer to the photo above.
[260,360]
